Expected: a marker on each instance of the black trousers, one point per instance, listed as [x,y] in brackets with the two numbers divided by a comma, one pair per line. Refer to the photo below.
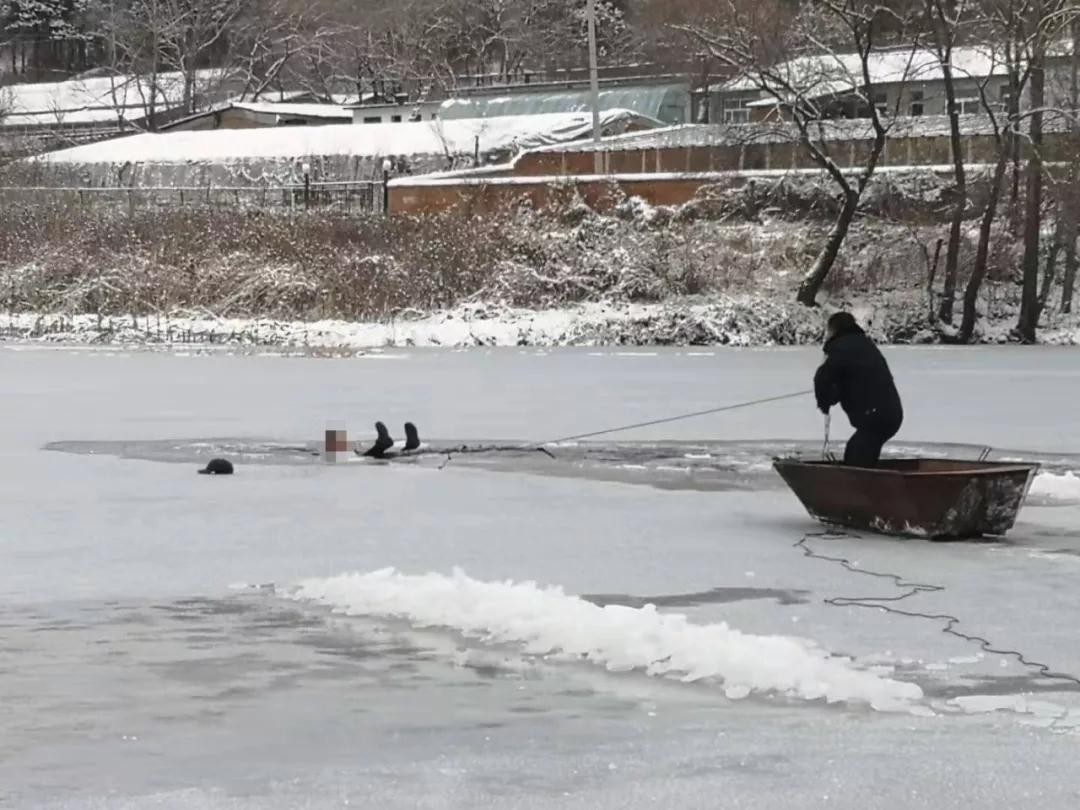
[864,447]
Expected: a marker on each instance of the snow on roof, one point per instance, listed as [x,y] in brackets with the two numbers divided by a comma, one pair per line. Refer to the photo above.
[838,73]
[93,100]
[705,135]
[341,99]
[309,110]
[458,137]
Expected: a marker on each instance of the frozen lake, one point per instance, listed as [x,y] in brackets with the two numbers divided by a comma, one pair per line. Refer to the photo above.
[175,640]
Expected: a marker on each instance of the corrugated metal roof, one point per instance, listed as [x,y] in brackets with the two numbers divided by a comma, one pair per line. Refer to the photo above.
[818,75]
[459,137]
[669,103]
[704,135]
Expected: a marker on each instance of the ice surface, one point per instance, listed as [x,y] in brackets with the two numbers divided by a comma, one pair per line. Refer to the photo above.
[132,676]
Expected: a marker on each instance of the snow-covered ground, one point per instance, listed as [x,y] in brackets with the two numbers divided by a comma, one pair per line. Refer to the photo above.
[189,641]
[741,320]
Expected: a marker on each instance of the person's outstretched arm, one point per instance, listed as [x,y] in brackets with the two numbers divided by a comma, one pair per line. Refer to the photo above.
[826,384]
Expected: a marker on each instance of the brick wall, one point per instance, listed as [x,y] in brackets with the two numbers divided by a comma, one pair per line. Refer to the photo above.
[933,151]
[495,197]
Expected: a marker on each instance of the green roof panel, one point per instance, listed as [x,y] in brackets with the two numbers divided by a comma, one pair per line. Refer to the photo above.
[665,102]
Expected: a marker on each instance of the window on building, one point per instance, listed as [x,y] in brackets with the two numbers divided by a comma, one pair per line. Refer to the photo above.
[917,103]
[735,111]
[372,119]
[968,105]
[1004,96]
[396,119]
[858,106]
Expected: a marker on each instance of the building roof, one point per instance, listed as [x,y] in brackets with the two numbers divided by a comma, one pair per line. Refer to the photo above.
[706,135]
[332,111]
[664,102]
[840,73]
[95,100]
[324,113]
[458,137]
[819,75]
[370,102]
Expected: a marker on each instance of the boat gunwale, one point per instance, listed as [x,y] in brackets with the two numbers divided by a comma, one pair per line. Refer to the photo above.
[1003,469]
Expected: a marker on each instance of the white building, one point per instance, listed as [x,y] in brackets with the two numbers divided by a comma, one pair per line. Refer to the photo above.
[906,82]
[391,112]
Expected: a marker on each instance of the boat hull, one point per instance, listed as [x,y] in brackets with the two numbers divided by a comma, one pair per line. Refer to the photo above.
[936,498]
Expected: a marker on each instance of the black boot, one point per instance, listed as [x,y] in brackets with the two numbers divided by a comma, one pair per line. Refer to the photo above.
[412,437]
[383,442]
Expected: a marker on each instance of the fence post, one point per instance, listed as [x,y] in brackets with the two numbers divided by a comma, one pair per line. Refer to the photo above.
[307,185]
[386,166]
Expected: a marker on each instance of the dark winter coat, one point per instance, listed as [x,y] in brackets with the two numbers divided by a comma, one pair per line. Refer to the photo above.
[856,376]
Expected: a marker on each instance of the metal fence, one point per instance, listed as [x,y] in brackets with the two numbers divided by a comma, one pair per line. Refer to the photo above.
[361,197]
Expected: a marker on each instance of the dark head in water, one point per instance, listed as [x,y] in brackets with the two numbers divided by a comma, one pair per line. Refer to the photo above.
[841,323]
[217,466]
[383,442]
[412,437]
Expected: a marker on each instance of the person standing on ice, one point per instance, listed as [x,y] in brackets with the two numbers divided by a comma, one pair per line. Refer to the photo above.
[856,376]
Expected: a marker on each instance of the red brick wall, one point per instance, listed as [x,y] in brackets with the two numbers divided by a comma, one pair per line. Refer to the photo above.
[496,197]
[900,151]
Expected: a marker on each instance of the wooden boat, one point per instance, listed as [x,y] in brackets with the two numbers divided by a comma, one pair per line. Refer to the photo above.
[936,498]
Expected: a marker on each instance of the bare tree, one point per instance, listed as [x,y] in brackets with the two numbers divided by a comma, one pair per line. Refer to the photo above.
[1029,302]
[195,33]
[1002,130]
[134,34]
[945,18]
[1043,24]
[1071,209]
[837,45]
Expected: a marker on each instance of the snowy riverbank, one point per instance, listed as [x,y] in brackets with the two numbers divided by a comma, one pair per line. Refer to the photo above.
[715,321]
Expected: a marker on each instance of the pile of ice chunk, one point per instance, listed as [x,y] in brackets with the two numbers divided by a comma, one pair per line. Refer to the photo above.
[545,621]
[1051,487]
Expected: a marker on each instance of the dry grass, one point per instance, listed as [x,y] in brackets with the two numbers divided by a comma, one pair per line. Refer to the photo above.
[65,257]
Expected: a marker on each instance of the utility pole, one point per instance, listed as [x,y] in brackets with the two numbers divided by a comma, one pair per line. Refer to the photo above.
[594,87]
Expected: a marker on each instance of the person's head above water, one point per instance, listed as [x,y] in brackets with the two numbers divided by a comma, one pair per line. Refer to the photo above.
[840,323]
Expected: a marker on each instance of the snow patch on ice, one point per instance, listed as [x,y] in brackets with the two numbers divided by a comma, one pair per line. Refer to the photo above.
[1051,487]
[985,704]
[545,621]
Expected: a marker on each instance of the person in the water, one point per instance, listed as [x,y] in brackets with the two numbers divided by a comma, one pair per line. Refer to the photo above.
[386,447]
[856,376]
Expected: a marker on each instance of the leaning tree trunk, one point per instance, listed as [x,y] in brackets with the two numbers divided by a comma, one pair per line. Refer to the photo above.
[1068,281]
[1072,209]
[1028,323]
[813,281]
[982,253]
[956,224]
[1050,273]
